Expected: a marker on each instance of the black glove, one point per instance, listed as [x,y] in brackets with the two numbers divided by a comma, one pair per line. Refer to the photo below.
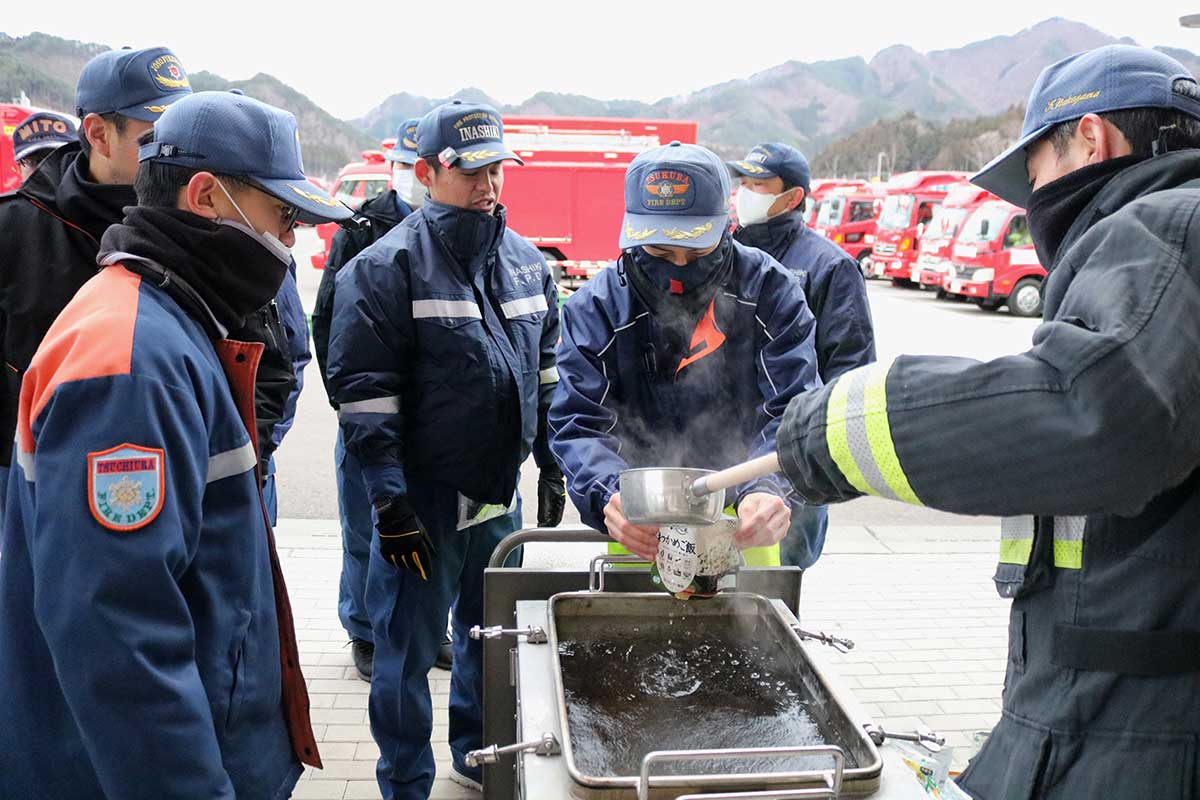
[403,540]
[552,497]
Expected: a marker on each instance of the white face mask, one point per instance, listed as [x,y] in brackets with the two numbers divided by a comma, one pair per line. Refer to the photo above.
[407,187]
[752,206]
[267,240]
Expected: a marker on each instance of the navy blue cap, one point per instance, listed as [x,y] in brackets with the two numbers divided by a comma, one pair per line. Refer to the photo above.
[1109,78]
[134,83]
[405,150]
[44,130]
[775,160]
[232,134]
[468,135]
[676,195]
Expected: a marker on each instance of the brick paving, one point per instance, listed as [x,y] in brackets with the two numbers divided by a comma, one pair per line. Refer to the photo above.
[918,601]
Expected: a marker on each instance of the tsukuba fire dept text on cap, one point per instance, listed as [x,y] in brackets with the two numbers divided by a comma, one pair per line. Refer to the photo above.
[134,83]
[1110,78]
[463,135]
[232,134]
[44,130]
[405,150]
[676,195]
[774,160]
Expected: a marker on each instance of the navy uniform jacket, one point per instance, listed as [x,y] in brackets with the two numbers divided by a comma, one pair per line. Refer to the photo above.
[833,286]
[142,614]
[625,401]
[441,354]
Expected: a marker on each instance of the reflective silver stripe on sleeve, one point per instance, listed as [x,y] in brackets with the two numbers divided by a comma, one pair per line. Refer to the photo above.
[448,309]
[548,375]
[1020,527]
[1069,529]
[524,305]
[231,462]
[857,437]
[376,405]
[25,461]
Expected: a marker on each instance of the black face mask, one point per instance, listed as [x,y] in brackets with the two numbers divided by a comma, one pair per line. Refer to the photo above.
[670,278]
[1054,208]
[232,273]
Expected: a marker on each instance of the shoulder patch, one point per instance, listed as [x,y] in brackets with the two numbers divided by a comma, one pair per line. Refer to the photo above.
[125,486]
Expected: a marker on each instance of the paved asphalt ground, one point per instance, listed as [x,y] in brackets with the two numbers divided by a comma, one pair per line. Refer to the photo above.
[912,587]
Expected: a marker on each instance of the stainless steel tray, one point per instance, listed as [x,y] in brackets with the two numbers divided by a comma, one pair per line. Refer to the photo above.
[748,619]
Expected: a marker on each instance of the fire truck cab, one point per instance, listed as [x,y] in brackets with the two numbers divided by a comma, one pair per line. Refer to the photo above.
[819,189]
[912,199]
[848,216]
[994,262]
[933,257]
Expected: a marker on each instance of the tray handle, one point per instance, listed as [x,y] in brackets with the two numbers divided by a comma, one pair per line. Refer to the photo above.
[600,563]
[832,777]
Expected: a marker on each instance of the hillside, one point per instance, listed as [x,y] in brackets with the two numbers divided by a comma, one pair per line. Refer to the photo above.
[46,68]
[812,105]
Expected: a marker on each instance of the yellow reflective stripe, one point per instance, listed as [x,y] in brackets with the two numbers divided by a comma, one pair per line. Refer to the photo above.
[1068,555]
[837,439]
[879,435]
[1015,551]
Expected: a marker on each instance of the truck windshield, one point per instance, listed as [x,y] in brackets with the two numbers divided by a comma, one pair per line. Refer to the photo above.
[945,223]
[829,211]
[897,211]
[983,225]
[862,210]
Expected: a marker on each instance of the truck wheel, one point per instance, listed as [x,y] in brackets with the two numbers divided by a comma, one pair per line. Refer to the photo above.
[864,264]
[941,294]
[1026,298]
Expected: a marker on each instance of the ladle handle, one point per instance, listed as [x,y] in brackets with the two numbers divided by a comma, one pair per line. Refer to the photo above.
[737,474]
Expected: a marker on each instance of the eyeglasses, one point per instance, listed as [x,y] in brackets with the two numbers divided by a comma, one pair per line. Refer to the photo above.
[288,216]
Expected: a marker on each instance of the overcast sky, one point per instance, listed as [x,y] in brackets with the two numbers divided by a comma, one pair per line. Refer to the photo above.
[349,56]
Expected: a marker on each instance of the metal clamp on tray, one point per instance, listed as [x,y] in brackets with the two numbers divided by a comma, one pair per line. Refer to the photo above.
[831,777]
[546,746]
[533,634]
[841,645]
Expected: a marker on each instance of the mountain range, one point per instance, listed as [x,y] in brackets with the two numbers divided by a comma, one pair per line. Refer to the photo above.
[945,108]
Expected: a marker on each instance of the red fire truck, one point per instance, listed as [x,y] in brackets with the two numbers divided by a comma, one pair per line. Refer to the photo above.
[994,262]
[933,258]
[10,117]
[818,189]
[848,216]
[569,197]
[912,198]
[356,183]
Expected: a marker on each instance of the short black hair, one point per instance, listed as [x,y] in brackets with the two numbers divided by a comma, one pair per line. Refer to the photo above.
[157,184]
[433,163]
[1142,127]
[119,121]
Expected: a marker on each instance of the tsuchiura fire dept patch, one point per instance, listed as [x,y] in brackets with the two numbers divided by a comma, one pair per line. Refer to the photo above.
[125,486]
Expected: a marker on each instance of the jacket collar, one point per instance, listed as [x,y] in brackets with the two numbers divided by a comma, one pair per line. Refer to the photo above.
[468,235]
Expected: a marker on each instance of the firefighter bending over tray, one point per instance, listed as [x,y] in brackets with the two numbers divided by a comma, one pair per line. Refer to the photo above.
[684,354]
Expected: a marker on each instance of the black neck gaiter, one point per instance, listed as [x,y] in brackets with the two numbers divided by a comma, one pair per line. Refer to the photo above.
[220,267]
[90,205]
[1054,208]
